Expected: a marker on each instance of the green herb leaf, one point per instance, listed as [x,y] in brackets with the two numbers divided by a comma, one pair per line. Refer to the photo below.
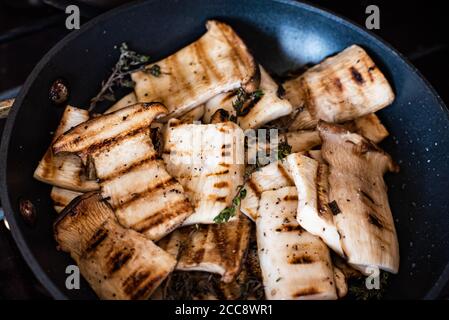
[244,98]
[284,149]
[154,70]
[256,95]
[225,214]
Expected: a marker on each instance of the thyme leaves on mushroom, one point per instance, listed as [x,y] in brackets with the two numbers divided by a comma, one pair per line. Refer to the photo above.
[284,149]
[228,212]
[243,98]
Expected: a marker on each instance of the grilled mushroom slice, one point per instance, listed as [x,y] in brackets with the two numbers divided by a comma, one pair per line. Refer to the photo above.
[295,264]
[118,263]
[313,212]
[62,197]
[66,170]
[358,197]
[217,62]
[208,162]
[214,248]
[270,177]
[268,107]
[144,196]
[341,88]
[264,106]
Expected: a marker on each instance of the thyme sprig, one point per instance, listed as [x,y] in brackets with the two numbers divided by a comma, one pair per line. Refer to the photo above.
[242,98]
[228,212]
[284,149]
[128,62]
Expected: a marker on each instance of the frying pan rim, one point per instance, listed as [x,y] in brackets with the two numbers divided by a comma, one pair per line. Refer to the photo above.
[29,257]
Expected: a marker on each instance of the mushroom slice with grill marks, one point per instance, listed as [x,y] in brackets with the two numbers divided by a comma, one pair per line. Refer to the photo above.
[207,160]
[313,212]
[144,196]
[118,263]
[65,170]
[341,88]
[270,177]
[62,197]
[295,264]
[268,107]
[257,111]
[358,195]
[214,248]
[217,62]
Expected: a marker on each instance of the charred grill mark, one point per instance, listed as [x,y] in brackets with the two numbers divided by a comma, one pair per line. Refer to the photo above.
[303,259]
[148,287]
[334,207]
[179,208]
[357,76]
[207,65]
[221,184]
[119,259]
[165,184]
[174,124]
[197,256]
[225,165]
[290,198]
[115,140]
[285,175]
[322,197]
[129,168]
[181,76]
[99,236]
[225,153]
[78,139]
[306,292]
[254,187]
[338,84]
[289,228]
[234,54]
[220,238]
[217,199]
[370,72]
[220,173]
[374,220]
[367,196]
[140,284]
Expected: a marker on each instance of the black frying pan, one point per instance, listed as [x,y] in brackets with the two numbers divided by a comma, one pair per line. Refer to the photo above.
[283,35]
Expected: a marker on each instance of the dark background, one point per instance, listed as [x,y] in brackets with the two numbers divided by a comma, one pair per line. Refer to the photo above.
[27,31]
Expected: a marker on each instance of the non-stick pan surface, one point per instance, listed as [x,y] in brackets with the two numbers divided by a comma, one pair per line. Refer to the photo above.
[283,36]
